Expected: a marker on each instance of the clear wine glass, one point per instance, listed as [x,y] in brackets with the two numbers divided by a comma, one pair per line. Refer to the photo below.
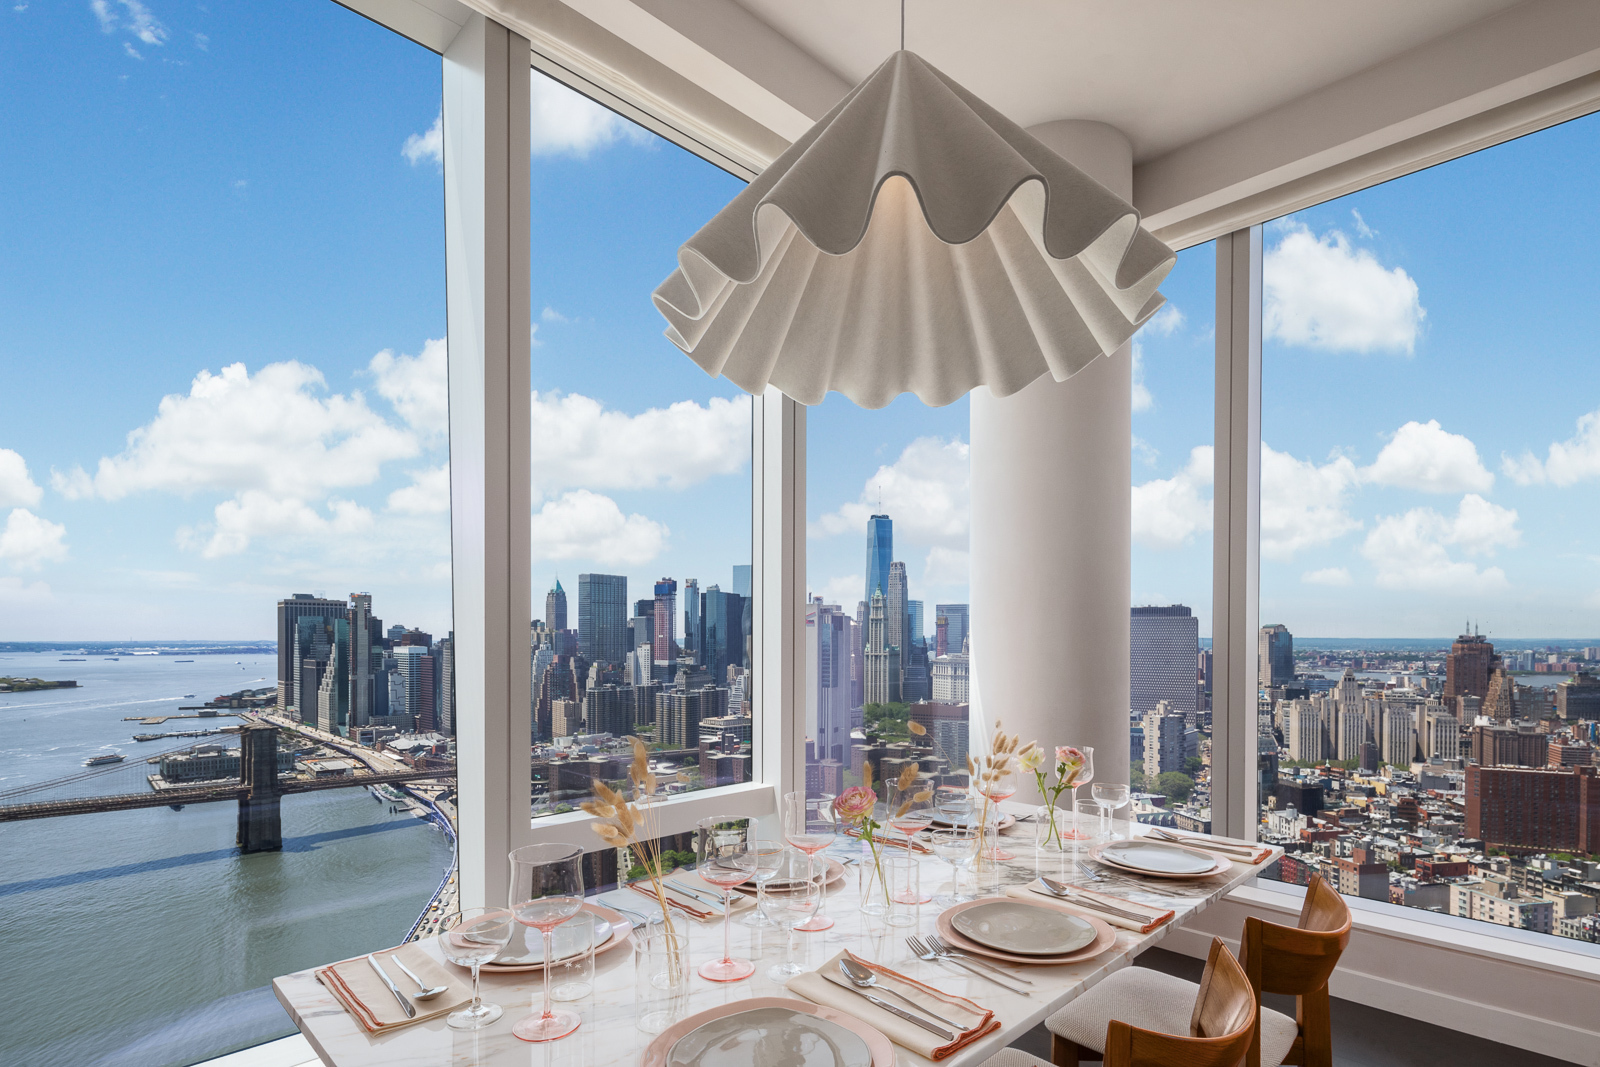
[810,824]
[1108,797]
[792,909]
[1002,787]
[472,938]
[1083,779]
[769,860]
[911,809]
[956,847]
[546,891]
[953,803]
[722,847]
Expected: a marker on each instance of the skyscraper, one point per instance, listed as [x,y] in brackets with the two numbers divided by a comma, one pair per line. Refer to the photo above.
[880,552]
[955,618]
[1164,648]
[447,685]
[914,625]
[1274,656]
[1466,668]
[333,694]
[360,614]
[603,618]
[691,619]
[882,660]
[722,623]
[896,605]
[741,579]
[555,608]
[290,610]
[828,680]
[1163,741]
[665,651]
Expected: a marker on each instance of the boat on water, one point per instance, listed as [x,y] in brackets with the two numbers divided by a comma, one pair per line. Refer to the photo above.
[188,696]
[183,661]
[101,761]
[80,660]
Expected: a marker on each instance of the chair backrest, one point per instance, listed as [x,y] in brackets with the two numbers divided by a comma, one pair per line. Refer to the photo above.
[1297,960]
[1223,1022]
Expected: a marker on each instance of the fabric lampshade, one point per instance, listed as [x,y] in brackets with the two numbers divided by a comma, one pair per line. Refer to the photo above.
[913,240]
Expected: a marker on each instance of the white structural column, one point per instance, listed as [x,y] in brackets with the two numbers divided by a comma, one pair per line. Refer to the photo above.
[1050,533]
[1236,523]
[486,144]
[778,580]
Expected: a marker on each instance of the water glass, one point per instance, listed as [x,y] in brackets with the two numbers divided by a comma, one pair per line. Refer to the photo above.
[957,847]
[573,976]
[661,976]
[1087,815]
[792,909]
[472,938]
[902,872]
[769,860]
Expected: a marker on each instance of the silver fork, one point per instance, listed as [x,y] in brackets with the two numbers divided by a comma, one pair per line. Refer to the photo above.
[940,946]
[1097,876]
[924,952]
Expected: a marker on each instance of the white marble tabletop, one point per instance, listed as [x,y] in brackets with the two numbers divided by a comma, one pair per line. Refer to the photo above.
[608,1036]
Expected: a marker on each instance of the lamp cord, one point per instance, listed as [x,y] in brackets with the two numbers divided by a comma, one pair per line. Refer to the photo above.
[902,25]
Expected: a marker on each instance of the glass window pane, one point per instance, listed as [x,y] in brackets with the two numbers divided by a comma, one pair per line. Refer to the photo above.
[223,504]
[1427,543]
[641,474]
[1173,414]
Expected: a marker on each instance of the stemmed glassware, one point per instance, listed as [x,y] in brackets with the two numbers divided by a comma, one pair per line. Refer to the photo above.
[1000,788]
[546,891]
[792,910]
[953,803]
[810,824]
[769,861]
[1108,797]
[911,811]
[1083,779]
[472,938]
[955,846]
[723,849]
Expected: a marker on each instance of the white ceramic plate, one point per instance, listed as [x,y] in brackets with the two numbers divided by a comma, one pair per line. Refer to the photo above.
[1022,929]
[1158,858]
[771,1037]
[571,938]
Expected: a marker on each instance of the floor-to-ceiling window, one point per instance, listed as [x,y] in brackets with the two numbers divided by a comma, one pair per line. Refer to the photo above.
[1428,575]
[1170,649]
[223,463]
[642,597]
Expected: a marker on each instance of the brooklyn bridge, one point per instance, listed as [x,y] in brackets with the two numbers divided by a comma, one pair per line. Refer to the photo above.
[259,792]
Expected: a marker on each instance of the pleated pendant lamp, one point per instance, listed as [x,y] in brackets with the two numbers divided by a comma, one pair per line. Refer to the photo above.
[913,240]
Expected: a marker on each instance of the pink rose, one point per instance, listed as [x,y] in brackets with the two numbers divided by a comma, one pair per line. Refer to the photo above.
[1067,754]
[1069,764]
[855,803]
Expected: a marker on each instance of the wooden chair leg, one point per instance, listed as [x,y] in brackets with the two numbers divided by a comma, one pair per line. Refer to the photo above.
[1064,1053]
[1316,1029]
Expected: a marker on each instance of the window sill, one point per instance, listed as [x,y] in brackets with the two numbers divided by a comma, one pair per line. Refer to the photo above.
[291,1051]
[675,816]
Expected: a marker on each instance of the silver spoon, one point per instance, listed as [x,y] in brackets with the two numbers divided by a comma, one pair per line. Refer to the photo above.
[862,978]
[426,994]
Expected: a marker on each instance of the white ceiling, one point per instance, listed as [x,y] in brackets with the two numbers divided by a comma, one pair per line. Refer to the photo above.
[1165,72]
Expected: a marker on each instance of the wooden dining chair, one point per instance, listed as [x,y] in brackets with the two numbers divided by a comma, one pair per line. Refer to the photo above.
[1297,961]
[1220,1023]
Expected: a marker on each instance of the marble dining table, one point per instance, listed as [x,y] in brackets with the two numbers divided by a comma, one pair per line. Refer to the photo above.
[609,1035]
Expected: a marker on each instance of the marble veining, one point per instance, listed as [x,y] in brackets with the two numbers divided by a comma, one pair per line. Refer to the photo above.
[608,1036]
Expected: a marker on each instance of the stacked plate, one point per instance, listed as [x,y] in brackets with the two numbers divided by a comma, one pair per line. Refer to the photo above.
[572,938]
[793,873]
[1159,859]
[1020,932]
[772,1031]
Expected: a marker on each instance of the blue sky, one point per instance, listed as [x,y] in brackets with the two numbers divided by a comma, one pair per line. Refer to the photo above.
[225,240]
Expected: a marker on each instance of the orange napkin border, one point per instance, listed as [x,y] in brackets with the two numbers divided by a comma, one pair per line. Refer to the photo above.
[986,1025]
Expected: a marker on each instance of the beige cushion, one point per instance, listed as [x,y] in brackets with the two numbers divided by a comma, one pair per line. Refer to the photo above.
[1014,1057]
[1152,1000]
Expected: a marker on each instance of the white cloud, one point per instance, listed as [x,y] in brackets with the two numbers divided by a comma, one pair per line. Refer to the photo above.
[946,566]
[1303,504]
[426,145]
[1165,322]
[845,592]
[577,443]
[131,16]
[1574,460]
[27,541]
[428,493]
[14,592]
[16,487]
[1142,400]
[1323,293]
[1362,229]
[237,432]
[568,123]
[132,52]
[550,314]
[585,525]
[1327,576]
[255,514]
[202,42]
[927,491]
[1411,551]
[1427,458]
[1168,512]
[418,386]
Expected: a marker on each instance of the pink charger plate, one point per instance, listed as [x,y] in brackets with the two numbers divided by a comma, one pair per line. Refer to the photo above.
[882,1049]
[618,939]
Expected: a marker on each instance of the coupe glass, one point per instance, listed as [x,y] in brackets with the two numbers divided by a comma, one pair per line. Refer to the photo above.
[918,813]
[471,939]
[546,891]
[1108,796]
[1077,833]
[769,857]
[792,910]
[722,848]
[955,846]
[810,824]
[953,803]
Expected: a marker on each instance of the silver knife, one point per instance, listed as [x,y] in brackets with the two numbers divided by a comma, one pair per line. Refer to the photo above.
[411,1013]
[674,886]
[964,965]
[1057,890]
[932,1028]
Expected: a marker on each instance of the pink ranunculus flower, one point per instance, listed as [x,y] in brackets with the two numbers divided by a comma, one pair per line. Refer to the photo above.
[855,803]
[1069,762]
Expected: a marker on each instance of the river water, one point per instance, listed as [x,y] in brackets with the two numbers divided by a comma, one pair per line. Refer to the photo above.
[142,938]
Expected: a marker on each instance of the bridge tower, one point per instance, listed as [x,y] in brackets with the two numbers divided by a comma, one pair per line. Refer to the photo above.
[260,810]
